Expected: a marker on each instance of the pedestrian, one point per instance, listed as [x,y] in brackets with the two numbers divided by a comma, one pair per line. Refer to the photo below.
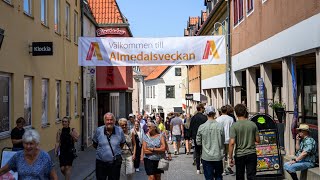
[131,120]
[137,134]
[16,135]
[187,133]
[167,126]
[226,122]
[306,151]
[230,112]
[127,151]
[160,125]
[176,127]
[64,148]
[211,136]
[196,121]
[32,162]
[108,140]
[243,135]
[154,148]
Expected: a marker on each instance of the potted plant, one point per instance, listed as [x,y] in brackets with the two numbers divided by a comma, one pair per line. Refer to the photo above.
[278,108]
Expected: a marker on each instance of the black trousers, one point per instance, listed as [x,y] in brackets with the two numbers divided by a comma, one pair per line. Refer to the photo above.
[137,160]
[106,170]
[246,163]
[198,151]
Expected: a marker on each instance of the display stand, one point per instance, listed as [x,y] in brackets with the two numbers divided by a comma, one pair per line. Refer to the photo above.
[6,155]
[269,161]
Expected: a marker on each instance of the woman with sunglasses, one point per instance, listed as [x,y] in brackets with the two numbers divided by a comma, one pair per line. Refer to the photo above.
[127,150]
[65,139]
[154,148]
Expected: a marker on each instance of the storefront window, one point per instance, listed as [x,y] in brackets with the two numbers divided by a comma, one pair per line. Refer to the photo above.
[4,103]
[310,93]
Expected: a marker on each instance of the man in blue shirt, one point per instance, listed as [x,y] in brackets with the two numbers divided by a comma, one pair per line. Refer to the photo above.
[108,141]
[305,155]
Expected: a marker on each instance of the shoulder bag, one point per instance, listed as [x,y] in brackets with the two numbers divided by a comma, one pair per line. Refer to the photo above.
[129,164]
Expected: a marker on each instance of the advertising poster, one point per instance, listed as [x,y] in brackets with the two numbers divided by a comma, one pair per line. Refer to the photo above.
[267,152]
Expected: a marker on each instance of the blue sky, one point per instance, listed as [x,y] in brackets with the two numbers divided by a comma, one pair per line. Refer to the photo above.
[159,18]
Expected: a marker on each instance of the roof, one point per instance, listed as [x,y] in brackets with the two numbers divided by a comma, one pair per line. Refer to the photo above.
[107,12]
[193,21]
[146,70]
[157,72]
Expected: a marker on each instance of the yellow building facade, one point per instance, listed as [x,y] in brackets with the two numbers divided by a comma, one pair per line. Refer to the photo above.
[42,89]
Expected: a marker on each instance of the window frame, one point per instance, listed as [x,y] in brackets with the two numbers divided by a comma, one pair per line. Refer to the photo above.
[173,86]
[249,11]
[8,1]
[30,3]
[176,70]
[238,20]
[68,99]
[44,122]
[67,21]
[30,92]
[57,13]
[263,1]
[75,27]
[4,134]
[58,100]
[45,12]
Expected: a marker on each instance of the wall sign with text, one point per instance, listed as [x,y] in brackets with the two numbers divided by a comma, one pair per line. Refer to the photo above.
[42,49]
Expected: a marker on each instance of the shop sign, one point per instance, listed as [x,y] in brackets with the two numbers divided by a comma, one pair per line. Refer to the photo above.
[42,49]
[189,96]
[110,31]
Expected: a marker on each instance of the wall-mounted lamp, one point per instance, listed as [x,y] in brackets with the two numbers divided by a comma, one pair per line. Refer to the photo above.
[1,36]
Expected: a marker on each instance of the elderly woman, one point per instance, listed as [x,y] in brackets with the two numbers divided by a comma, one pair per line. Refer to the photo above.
[31,163]
[127,149]
[154,147]
[65,139]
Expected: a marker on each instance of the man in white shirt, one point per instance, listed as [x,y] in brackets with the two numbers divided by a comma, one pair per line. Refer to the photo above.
[226,121]
[176,127]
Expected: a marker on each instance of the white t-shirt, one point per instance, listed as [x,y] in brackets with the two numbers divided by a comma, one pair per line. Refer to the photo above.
[176,125]
[226,121]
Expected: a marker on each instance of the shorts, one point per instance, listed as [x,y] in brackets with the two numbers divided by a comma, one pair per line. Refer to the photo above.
[176,138]
[66,159]
[151,167]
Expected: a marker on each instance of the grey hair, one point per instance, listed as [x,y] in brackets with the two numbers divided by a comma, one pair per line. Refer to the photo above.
[109,114]
[122,120]
[152,123]
[31,135]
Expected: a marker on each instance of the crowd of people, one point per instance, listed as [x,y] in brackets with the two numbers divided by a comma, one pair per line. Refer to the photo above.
[219,143]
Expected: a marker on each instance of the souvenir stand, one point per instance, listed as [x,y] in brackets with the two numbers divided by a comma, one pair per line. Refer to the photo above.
[269,162]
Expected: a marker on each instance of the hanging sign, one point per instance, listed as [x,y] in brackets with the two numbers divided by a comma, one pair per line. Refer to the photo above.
[128,51]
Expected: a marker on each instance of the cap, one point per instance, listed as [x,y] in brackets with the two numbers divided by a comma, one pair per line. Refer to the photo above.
[209,109]
[304,127]
[131,115]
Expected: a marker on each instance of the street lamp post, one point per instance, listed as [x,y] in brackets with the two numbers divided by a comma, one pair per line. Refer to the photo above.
[227,60]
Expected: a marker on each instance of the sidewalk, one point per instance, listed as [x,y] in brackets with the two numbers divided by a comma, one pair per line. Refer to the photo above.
[83,165]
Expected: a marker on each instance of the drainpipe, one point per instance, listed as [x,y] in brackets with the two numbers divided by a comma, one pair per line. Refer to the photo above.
[83,102]
[229,56]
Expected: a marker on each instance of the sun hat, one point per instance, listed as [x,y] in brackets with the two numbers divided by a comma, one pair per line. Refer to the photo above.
[209,110]
[303,127]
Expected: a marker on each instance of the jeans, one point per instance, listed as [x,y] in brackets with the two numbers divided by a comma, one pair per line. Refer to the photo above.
[107,169]
[298,166]
[198,151]
[212,169]
[246,163]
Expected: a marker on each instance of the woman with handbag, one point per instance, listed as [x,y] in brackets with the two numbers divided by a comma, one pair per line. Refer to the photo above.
[127,167]
[64,148]
[154,148]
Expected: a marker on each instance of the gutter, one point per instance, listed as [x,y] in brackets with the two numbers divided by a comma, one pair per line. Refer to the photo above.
[83,105]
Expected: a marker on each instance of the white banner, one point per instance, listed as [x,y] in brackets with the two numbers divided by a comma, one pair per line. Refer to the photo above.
[193,50]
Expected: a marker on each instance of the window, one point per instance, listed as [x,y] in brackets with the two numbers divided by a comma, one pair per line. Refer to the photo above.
[249,6]
[68,84]
[76,2]
[169,91]
[58,102]
[57,16]
[27,7]
[67,21]
[238,11]
[28,100]
[75,99]
[44,101]
[178,71]
[44,12]
[5,88]
[75,27]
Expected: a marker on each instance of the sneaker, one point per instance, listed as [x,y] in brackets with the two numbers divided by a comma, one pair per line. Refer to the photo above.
[230,170]
[198,171]
[137,170]
[194,162]
[176,153]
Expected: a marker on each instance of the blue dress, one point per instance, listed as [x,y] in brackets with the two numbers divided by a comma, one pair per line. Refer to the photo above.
[40,169]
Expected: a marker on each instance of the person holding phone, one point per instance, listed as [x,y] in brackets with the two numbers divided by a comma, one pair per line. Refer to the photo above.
[305,152]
